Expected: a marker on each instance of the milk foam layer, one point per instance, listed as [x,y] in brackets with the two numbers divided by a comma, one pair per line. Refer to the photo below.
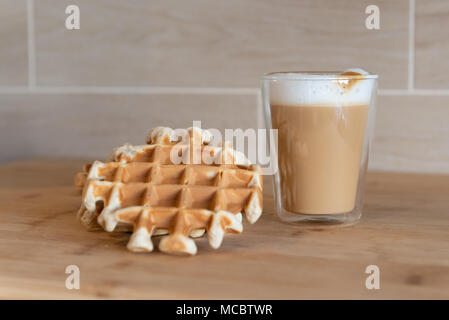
[332,89]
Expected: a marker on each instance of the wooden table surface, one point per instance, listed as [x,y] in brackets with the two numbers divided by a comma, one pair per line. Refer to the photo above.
[404,231]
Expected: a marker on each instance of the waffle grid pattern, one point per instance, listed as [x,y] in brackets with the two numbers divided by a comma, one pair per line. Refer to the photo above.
[140,190]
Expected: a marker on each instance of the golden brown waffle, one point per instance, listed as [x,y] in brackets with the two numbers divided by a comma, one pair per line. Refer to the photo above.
[140,189]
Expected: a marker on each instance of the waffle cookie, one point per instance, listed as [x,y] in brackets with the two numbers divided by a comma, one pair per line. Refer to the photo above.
[139,189]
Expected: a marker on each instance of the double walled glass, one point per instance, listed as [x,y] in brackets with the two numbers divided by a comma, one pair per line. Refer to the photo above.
[325,122]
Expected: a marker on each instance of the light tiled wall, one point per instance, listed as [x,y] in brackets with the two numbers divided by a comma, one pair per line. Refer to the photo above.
[13,48]
[135,64]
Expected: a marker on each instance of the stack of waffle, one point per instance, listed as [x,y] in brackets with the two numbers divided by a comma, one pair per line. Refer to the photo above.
[140,189]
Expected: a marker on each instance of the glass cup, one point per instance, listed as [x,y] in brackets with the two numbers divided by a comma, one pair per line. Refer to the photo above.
[325,122]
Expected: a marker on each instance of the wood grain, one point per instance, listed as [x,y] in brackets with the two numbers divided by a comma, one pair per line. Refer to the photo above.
[404,230]
[411,134]
[203,43]
[91,125]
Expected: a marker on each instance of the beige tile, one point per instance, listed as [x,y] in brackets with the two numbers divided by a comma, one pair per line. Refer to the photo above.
[412,134]
[216,43]
[13,48]
[89,126]
[432,44]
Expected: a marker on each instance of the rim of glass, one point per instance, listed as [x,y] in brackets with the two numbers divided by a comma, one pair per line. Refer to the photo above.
[316,75]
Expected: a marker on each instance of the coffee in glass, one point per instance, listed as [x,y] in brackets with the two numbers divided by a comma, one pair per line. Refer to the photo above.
[324,122]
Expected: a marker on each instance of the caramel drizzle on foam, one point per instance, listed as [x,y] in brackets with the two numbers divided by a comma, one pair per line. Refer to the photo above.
[348,79]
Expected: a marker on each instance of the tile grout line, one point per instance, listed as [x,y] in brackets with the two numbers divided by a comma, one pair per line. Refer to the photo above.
[33,88]
[414,92]
[31,45]
[126,90]
[411,46]
[181,90]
